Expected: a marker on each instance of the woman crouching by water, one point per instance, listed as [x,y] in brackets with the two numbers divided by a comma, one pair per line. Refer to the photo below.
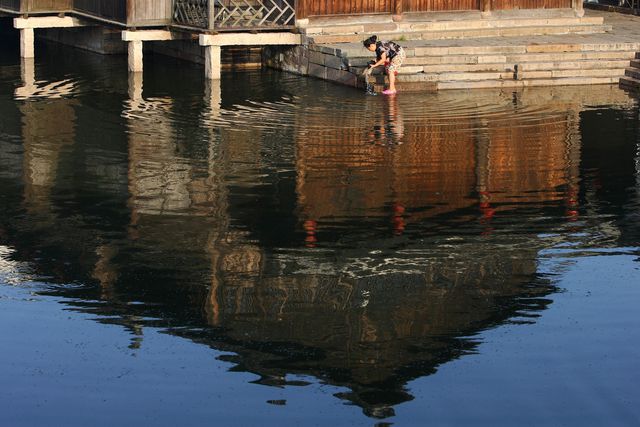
[389,54]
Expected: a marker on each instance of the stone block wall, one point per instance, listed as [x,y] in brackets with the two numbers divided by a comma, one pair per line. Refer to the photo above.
[101,40]
[313,60]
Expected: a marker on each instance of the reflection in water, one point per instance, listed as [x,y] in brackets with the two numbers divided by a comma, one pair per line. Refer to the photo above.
[363,241]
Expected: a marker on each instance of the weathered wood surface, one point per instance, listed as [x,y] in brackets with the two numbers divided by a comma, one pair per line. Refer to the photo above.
[530,4]
[308,8]
[133,13]
[344,7]
[440,5]
[150,12]
[34,6]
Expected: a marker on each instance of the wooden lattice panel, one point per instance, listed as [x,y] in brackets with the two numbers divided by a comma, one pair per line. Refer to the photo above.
[235,14]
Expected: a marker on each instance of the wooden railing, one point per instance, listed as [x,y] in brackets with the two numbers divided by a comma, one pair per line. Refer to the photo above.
[234,14]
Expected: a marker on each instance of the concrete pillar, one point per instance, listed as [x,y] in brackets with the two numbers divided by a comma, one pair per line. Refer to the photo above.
[27,40]
[135,56]
[212,62]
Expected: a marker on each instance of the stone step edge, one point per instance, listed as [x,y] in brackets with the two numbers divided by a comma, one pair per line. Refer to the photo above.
[390,27]
[512,50]
[627,82]
[532,59]
[592,64]
[510,75]
[486,84]
[498,67]
[479,33]
[632,72]
[506,75]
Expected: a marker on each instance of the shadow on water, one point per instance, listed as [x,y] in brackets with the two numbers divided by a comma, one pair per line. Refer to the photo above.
[301,227]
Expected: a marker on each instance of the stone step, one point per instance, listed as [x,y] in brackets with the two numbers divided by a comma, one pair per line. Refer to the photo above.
[630,83]
[486,84]
[513,53]
[635,63]
[553,74]
[509,75]
[482,60]
[632,72]
[637,55]
[525,49]
[526,67]
[471,33]
[586,65]
[388,26]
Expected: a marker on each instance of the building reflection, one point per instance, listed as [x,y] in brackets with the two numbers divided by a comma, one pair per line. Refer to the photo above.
[427,264]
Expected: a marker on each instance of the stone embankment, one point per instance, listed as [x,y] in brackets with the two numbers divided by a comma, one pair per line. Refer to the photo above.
[465,53]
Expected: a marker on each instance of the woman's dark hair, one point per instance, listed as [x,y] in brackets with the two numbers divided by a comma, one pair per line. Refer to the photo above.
[371,40]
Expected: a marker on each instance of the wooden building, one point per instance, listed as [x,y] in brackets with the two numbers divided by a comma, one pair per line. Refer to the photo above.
[265,14]
[307,8]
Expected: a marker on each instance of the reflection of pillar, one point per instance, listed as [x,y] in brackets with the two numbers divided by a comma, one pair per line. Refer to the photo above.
[158,177]
[105,270]
[574,149]
[215,187]
[483,171]
[28,74]
[135,89]
[638,159]
[47,128]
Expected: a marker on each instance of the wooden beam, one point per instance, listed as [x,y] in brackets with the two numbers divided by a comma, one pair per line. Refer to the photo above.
[248,39]
[153,36]
[48,22]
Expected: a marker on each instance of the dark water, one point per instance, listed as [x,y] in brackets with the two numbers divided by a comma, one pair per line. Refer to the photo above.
[275,250]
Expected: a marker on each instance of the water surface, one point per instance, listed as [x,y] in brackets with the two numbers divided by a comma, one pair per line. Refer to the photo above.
[279,250]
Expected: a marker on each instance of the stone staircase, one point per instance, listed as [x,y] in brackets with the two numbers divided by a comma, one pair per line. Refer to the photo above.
[452,26]
[540,50]
[465,67]
[631,80]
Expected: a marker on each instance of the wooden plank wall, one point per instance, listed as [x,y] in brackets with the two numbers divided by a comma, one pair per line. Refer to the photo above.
[342,7]
[308,8]
[530,4]
[48,5]
[150,12]
[440,5]
[37,5]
